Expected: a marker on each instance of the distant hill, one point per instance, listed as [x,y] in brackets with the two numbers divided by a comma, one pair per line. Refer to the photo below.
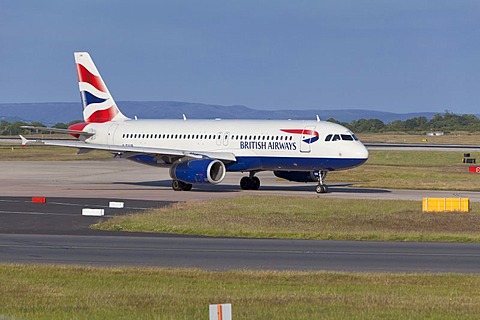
[10,119]
[51,113]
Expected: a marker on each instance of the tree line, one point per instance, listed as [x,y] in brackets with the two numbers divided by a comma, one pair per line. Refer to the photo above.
[15,128]
[446,122]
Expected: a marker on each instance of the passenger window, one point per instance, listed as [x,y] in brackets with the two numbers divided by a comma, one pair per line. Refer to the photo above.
[336,137]
[347,137]
[328,138]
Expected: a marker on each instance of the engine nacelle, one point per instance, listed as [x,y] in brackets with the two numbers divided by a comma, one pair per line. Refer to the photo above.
[298,176]
[198,171]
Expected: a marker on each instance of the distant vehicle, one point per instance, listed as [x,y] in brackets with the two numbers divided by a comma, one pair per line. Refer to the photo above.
[202,151]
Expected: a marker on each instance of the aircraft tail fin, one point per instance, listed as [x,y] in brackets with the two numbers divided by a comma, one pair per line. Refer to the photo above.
[98,103]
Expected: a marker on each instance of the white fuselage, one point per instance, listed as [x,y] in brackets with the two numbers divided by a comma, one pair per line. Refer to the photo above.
[257,144]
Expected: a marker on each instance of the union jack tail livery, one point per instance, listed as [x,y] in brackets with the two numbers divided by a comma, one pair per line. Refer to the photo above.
[98,103]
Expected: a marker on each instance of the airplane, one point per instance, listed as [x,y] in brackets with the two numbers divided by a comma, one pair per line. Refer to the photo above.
[202,151]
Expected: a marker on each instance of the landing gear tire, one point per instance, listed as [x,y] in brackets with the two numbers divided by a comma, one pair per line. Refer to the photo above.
[187,187]
[255,183]
[250,183]
[321,189]
[181,186]
[177,185]
[246,183]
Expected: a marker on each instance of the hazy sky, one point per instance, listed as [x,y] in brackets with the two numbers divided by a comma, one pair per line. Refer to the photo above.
[399,56]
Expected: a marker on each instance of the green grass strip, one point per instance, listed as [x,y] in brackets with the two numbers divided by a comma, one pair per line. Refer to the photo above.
[304,218]
[61,292]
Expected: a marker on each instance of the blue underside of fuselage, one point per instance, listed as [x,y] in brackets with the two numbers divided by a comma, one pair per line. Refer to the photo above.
[274,163]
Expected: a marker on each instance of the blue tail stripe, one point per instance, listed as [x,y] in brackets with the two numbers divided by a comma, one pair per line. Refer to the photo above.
[88,98]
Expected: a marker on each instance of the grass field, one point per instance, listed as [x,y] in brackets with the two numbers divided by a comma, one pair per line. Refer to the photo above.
[53,292]
[300,218]
[435,170]
[10,152]
[450,138]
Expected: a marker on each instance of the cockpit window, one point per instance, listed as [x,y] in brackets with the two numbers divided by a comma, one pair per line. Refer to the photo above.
[328,138]
[354,137]
[347,137]
[336,137]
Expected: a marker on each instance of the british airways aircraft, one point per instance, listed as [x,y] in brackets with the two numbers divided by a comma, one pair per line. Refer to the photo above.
[202,151]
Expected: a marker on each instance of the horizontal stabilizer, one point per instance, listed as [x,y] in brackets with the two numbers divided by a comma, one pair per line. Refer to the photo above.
[57,130]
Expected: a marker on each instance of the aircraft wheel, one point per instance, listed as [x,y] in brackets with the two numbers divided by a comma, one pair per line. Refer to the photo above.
[255,183]
[177,185]
[246,183]
[186,186]
[321,188]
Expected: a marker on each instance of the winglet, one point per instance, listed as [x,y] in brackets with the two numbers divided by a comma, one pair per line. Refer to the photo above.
[24,141]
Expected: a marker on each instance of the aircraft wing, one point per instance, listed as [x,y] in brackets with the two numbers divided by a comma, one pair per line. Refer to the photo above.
[223,156]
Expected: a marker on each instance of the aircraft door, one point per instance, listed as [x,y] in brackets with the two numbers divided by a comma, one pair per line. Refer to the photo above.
[226,136]
[218,138]
[306,139]
[111,133]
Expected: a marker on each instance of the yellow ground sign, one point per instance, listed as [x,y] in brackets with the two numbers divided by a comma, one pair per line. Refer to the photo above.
[446,205]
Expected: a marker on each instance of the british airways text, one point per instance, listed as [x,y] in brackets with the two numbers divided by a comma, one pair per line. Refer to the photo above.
[263,145]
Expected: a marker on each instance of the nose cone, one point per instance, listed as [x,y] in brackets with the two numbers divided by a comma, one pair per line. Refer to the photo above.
[361,151]
[358,154]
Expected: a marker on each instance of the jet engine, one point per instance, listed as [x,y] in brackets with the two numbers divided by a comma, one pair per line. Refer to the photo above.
[198,171]
[298,176]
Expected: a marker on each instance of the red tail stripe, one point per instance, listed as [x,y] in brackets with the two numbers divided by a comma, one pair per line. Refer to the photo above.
[85,76]
[101,116]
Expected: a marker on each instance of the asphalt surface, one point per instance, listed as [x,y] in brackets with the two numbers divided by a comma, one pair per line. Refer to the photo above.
[227,254]
[56,232]
[19,215]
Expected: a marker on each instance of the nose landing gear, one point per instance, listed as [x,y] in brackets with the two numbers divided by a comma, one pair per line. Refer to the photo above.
[321,187]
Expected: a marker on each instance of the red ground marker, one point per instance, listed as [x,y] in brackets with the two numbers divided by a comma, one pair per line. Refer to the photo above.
[39,199]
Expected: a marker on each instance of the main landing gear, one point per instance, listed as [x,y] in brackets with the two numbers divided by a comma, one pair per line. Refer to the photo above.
[250,183]
[181,186]
[321,187]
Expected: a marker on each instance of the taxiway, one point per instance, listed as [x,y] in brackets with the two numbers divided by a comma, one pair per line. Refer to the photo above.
[56,232]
